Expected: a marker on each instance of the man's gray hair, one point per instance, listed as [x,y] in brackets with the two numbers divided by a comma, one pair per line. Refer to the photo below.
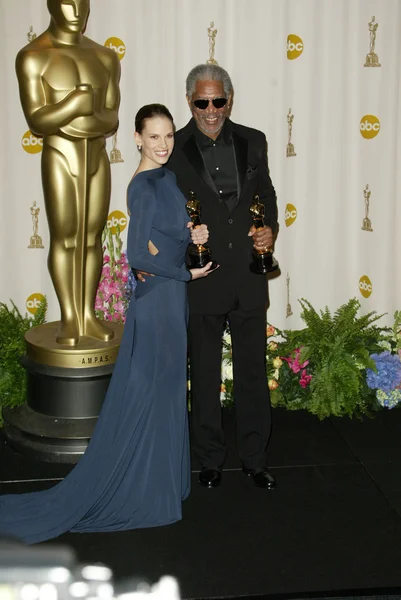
[208,73]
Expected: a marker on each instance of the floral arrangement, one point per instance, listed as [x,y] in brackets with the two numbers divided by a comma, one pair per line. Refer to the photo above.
[386,377]
[13,327]
[117,281]
[339,364]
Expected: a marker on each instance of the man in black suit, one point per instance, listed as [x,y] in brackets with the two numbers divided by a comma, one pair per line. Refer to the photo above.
[225,164]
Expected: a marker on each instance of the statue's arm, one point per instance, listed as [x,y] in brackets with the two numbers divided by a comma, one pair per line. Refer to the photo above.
[42,118]
[109,115]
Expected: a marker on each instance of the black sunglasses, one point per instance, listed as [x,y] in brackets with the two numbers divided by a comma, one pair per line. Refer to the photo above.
[202,104]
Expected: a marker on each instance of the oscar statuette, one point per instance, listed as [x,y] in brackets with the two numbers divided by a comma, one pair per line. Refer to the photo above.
[367,223]
[290,150]
[69,92]
[36,240]
[198,254]
[372,60]
[263,260]
[289,309]
[212,32]
[115,153]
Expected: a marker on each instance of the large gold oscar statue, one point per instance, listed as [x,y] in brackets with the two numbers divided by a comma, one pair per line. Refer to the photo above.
[70,95]
[69,90]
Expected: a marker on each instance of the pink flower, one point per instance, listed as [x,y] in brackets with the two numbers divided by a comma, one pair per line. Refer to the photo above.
[119,307]
[98,303]
[294,363]
[305,379]
[108,289]
[106,258]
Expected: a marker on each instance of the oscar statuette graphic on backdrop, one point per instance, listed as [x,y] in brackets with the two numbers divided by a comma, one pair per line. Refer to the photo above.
[31,35]
[367,224]
[372,60]
[36,240]
[70,98]
[290,151]
[212,32]
[115,153]
[289,312]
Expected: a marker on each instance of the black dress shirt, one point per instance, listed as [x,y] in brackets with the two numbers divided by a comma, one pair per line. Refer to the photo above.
[219,159]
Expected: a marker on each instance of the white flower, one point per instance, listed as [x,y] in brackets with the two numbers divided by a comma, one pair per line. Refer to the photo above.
[226,371]
[385,345]
[227,338]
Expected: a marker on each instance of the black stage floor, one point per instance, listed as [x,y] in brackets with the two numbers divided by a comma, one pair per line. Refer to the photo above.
[332,525]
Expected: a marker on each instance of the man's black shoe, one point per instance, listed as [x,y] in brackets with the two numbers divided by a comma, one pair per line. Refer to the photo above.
[262,479]
[210,478]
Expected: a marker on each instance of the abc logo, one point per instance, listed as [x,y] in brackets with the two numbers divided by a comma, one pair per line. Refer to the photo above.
[365,286]
[290,214]
[117,45]
[31,143]
[369,126]
[116,218]
[33,302]
[295,46]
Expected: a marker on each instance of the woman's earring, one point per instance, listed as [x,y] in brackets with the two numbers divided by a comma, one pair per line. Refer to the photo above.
[139,147]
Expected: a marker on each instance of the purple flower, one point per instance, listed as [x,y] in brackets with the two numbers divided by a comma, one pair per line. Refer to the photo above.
[388,375]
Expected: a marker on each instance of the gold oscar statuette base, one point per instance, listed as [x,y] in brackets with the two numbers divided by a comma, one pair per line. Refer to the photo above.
[290,150]
[372,60]
[41,346]
[36,242]
[367,225]
[115,157]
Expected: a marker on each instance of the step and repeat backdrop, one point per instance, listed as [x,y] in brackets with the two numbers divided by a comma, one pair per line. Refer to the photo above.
[321,78]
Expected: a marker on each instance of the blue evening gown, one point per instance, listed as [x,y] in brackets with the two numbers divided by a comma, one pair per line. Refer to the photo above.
[136,469]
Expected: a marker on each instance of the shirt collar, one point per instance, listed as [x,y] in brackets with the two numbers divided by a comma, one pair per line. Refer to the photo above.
[224,136]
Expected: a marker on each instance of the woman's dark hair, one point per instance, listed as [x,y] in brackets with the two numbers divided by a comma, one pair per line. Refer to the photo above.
[149,111]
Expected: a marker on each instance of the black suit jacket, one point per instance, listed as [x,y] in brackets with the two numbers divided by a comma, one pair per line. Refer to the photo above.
[231,247]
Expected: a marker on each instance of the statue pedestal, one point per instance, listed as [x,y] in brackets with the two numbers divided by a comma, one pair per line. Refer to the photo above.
[36,242]
[290,151]
[66,387]
[367,225]
[372,60]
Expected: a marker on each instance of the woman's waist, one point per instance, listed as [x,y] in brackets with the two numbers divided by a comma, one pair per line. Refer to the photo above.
[151,282]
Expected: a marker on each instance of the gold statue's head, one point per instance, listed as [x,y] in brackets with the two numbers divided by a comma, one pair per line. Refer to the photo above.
[193,206]
[257,209]
[69,16]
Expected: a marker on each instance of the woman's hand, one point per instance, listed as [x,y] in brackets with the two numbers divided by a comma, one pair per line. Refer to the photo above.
[204,272]
[199,234]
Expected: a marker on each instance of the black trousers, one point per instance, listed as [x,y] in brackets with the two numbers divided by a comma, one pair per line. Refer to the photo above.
[251,392]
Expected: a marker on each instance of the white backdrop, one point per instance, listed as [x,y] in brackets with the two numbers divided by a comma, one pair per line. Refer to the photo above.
[323,80]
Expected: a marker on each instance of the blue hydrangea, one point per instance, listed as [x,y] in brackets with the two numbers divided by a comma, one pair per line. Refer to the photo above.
[388,375]
[130,287]
[389,399]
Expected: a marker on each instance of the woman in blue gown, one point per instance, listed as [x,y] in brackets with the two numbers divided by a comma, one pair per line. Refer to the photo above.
[136,470]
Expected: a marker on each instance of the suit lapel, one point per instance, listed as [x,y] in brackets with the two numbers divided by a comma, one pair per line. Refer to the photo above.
[194,155]
[241,160]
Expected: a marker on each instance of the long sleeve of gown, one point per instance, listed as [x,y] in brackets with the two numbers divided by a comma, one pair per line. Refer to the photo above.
[142,205]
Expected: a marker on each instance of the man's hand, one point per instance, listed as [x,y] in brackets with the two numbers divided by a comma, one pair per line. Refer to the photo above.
[140,275]
[262,238]
[199,234]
